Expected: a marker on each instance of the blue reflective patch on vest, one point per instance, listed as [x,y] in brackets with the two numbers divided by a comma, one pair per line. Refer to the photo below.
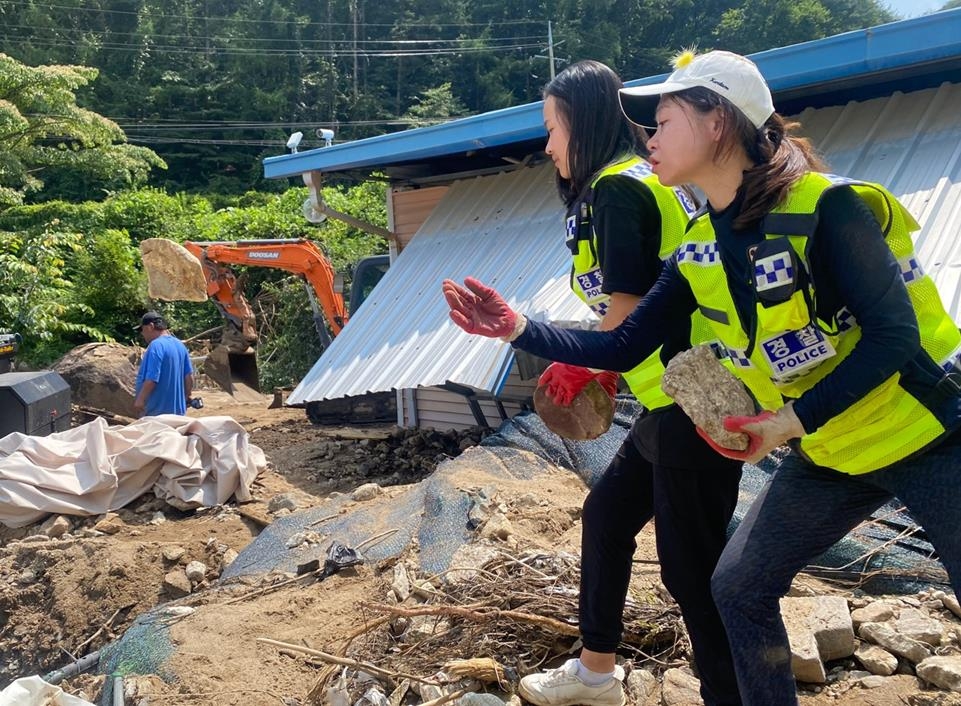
[640,170]
[687,203]
[911,269]
[773,271]
[845,320]
[698,253]
[835,179]
[795,352]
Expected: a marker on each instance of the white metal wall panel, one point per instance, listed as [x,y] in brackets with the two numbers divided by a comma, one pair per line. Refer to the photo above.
[911,143]
[505,229]
[440,409]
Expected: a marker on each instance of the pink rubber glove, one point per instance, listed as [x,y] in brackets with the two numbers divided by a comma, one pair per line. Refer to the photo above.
[563,382]
[479,309]
[737,424]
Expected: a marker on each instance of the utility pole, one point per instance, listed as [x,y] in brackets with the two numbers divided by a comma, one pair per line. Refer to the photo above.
[550,48]
[353,9]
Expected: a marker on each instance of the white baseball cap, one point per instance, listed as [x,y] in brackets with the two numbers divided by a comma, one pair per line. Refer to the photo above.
[729,75]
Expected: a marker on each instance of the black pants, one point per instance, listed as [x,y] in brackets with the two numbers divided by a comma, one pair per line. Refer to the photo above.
[666,471]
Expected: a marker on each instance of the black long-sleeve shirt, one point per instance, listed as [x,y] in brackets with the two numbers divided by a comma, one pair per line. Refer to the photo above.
[850,265]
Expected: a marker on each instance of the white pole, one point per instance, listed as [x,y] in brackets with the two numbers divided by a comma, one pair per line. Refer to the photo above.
[550,48]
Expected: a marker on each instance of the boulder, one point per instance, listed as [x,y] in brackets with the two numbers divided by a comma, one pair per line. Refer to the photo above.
[173,273]
[102,375]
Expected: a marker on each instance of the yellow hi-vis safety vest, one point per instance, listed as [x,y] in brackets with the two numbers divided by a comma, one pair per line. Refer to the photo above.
[791,349]
[676,208]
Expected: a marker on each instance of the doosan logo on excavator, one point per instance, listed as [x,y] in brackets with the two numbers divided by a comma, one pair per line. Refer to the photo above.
[265,255]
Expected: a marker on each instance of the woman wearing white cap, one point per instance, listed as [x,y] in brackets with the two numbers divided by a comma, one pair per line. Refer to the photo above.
[811,283]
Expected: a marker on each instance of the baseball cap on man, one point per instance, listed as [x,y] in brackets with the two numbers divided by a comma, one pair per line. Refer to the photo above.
[151,317]
[732,76]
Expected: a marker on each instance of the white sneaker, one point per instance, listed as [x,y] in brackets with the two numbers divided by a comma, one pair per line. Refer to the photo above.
[562,687]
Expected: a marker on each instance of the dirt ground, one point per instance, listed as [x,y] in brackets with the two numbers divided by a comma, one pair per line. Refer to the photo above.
[61,599]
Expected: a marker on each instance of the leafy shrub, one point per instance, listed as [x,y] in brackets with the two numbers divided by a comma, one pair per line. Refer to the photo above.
[108,279]
[37,299]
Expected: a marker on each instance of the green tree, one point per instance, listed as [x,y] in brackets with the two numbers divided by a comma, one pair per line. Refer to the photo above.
[757,25]
[46,137]
[109,282]
[435,105]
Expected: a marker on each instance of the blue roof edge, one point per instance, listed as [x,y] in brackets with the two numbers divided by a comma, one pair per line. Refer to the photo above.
[862,52]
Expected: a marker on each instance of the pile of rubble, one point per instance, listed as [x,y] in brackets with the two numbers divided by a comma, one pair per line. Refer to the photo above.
[341,461]
[52,571]
[520,615]
[838,644]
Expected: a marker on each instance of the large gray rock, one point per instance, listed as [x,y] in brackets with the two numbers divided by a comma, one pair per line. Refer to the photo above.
[708,392]
[819,629]
[680,688]
[875,659]
[943,672]
[173,273]
[887,637]
[874,612]
[102,375]
[917,625]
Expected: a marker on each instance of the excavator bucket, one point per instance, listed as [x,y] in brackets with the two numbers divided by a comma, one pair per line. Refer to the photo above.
[235,372]
[173,273]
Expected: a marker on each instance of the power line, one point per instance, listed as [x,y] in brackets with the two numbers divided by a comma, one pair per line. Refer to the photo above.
[214,126]
[264,22]
[243,51]
[277,40]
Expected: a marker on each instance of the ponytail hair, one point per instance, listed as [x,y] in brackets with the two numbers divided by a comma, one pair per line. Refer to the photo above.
[779,157]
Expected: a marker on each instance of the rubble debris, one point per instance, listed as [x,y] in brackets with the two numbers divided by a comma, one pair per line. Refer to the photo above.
[708,392]
[516,613]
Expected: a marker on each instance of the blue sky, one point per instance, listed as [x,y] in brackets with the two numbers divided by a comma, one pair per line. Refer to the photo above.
[913,8]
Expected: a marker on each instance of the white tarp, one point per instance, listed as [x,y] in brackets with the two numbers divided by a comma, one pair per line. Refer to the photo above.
[95,468]
[34,691]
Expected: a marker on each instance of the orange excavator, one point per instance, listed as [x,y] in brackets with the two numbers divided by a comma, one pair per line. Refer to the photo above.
[299,256]
[234,363]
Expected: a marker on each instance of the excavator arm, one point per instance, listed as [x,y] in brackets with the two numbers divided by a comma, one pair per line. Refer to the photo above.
[299,256]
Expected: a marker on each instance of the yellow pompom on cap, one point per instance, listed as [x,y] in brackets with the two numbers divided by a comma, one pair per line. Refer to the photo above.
[683,59]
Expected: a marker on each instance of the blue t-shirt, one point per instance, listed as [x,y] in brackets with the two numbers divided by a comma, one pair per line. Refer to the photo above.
[166,362]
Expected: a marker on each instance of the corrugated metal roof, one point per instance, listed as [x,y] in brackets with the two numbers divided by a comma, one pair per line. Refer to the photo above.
[911,143]
[506,230]
[813,65]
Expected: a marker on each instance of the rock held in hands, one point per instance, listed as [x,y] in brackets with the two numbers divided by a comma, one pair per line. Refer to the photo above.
[587,417]
[708,392]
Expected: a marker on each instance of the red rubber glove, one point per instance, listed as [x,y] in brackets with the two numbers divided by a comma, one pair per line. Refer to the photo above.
[563,382]
[479,309]
[736,424]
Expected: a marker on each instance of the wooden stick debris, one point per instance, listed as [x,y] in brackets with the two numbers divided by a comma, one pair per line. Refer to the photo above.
[345,661]
[103,627]
[477,616]
[446,697]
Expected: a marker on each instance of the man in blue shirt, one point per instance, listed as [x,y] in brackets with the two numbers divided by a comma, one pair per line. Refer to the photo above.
[165,379]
